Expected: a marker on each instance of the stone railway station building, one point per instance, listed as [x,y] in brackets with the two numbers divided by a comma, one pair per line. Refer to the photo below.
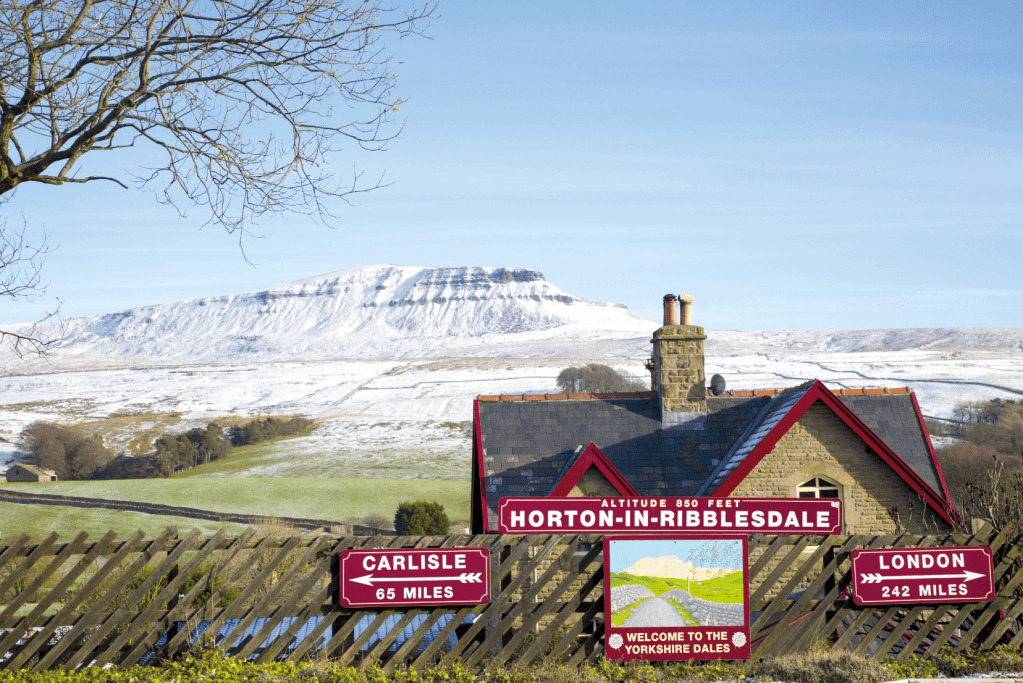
[868,447]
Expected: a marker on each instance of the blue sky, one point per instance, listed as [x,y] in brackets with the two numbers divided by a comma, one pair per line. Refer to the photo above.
[792,165]
[716,554]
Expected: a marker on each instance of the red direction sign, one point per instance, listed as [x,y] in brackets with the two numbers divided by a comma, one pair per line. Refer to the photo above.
[430,576]
[906,576]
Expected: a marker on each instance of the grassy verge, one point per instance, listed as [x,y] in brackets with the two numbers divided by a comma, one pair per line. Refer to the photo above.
[618,618]
[342,500]
[807,668]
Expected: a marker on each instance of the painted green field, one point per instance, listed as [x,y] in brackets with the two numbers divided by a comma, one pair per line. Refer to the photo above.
[341,500]
[656,585]
[726,588]
[68,521]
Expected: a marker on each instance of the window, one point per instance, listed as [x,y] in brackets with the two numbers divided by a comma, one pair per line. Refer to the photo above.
[818,488]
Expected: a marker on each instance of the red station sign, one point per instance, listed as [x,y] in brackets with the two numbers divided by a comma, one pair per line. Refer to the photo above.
[409,577]
[670,515]
[901,576]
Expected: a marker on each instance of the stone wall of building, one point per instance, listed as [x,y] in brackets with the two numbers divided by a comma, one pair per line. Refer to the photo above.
[875,499]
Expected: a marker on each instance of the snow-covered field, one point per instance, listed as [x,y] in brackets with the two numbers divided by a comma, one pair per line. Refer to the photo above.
[392,383]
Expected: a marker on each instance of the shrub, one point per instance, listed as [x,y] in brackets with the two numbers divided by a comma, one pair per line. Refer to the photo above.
[375,520]
[983,483]
[421,519]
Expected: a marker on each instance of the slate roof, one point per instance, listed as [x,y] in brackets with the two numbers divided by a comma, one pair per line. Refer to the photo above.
[529,442]
[526,444]
[892,417]
[895,420]
[777,408]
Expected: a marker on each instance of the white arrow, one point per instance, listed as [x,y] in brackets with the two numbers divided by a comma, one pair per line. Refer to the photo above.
[877,578]
[466,577]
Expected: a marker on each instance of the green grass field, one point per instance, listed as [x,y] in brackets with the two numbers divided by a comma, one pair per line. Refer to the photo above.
[68,521]
[242,458]
[341,500]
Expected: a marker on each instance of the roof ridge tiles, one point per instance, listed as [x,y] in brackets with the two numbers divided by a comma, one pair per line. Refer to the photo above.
[584,396]
[732,393]
[862,391]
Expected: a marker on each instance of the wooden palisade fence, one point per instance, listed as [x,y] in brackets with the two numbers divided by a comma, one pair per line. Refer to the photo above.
[92,603]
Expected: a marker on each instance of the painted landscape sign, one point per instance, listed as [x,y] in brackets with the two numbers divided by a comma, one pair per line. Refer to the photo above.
[562,515]
[901,576]
[676,597]
[410,577]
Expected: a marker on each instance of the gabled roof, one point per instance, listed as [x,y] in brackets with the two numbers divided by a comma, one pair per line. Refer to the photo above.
[577,465]
[783,412]
[525,445]
[32,469]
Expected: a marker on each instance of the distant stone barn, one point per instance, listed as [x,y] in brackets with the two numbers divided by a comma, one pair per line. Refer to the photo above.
[29,473]
[868,447]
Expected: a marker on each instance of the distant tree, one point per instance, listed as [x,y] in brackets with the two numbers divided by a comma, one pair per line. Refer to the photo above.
[127,467]
[66,450]
[597,378]
[266,428]
[173,452]
[210,444]
[997,424]
[421,519]
[87,458]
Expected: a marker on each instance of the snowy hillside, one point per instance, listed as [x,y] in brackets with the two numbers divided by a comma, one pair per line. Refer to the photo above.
[724,343]
[389,359]
[375,311]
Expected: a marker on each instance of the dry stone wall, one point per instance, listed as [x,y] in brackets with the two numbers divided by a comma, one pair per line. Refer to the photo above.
[623,596]
[708,613]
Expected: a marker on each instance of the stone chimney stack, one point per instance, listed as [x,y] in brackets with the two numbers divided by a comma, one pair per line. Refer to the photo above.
[676,366]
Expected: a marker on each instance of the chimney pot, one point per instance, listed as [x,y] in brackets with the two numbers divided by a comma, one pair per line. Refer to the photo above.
[670,310]
[686,302]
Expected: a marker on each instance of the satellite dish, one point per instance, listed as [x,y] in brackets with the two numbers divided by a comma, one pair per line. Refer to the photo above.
[717,385]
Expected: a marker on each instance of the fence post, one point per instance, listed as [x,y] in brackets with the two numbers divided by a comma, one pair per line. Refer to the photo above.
[172,620]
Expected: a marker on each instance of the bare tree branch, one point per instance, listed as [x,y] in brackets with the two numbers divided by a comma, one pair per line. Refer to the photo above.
[20,278]
[246,101]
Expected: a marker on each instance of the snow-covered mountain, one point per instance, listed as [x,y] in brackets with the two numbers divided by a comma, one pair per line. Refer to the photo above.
[374,311]
[671,567]
[404,312]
